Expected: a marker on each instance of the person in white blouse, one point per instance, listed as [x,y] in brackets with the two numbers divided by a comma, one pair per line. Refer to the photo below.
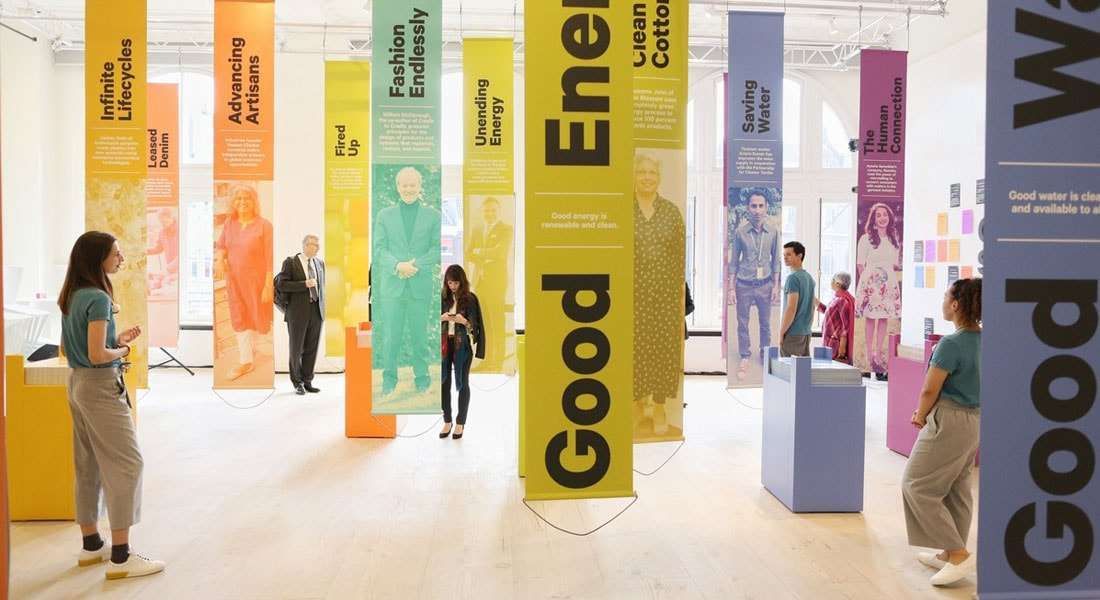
[878,289]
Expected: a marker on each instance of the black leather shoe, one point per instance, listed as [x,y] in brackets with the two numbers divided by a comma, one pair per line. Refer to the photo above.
[444,434]
[311,389]
[299,389]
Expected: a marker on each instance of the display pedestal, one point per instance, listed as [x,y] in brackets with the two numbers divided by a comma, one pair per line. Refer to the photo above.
[903,392]
[358,373]
[813,438]
[40,441]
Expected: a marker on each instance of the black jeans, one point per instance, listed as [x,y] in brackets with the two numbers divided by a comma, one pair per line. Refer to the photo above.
[305,335]
[457,353]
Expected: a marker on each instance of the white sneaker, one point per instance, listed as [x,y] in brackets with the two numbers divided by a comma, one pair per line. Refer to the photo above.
[135,566]
[94,557]
[951,573]
[931,559]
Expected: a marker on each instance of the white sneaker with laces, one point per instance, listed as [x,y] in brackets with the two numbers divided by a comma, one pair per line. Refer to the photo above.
[94,557]
[135,566]
[931,559]
[952,573]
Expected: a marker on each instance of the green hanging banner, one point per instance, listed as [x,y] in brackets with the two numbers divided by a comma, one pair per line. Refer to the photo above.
[406,222]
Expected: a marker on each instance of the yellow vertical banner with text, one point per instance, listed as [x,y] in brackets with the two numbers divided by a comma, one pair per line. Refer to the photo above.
[488,184]
[244,123]
[162,210]
[579,242]
[660,191]
[347,199]
[115,90]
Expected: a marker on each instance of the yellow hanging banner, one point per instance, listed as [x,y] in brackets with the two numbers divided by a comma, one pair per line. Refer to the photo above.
[579,250]
[489,210]
[115,117]
[347,199]
[660,189]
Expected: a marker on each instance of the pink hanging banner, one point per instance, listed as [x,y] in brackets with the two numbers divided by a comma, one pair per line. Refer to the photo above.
[882,97]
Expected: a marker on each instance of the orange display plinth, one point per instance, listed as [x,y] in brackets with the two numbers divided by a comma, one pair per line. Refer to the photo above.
[358,420]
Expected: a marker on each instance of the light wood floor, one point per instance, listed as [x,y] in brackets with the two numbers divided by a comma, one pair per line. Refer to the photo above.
[275,503]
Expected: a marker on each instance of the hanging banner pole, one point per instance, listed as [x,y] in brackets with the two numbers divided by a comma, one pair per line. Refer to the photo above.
[406,200]
[754,193]
[489,210]
[881,206]
[244,123]
[1040,427]
[347,200]
[162,195]
[579,250]
[660,53]
[115,116]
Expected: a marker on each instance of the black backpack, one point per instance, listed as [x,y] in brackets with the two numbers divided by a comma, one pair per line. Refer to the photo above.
[282,299]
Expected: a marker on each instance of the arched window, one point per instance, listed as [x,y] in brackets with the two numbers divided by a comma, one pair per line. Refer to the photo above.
[196,115]
[451,116]
[792,124]
[834,140]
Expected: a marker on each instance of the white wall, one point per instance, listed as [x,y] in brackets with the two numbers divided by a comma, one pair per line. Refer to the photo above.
[946,145]
[25,93]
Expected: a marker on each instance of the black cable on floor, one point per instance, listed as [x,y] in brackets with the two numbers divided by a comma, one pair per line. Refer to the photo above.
[431,427]
[230,404]
[662,465]
[586,533]
[743,403]
[506,381]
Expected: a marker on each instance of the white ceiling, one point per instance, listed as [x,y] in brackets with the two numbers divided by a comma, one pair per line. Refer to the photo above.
[301,21]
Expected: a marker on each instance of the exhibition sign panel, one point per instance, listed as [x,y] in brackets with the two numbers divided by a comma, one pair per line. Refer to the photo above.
[162,214]
[754,193]
[406,222]
[115,117]
[244,122]
[660,52]
[579,250]
[347,200]
[1040,501]
[881,206]
[488,183]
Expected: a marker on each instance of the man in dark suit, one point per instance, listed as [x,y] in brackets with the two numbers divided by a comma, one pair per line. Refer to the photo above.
[489,251]
[407,253]
[303,281]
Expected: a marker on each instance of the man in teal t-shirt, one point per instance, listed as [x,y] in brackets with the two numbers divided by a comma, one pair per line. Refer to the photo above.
[798,296]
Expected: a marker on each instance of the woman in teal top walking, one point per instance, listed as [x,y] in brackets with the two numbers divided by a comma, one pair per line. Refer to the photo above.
[939,477]
[105,448]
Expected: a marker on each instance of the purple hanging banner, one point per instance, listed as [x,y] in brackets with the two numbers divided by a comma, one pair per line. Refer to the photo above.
[754,192]
[1040,426]
[881,207]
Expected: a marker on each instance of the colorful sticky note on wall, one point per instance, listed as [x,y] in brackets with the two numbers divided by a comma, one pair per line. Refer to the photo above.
[967,272]
[930,251]
[930,277]
[968,222]
[918,251]
[941,250]
[918,280]
[953,251]
[941,224]
[952,273]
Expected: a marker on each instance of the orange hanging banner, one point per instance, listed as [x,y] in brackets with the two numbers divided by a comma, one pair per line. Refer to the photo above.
[244,120]
[162,214]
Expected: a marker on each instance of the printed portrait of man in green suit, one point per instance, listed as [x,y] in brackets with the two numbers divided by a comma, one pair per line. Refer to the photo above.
[405,271]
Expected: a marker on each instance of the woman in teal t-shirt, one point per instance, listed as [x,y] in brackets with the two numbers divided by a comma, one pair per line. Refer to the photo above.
[938,482]
[105,448]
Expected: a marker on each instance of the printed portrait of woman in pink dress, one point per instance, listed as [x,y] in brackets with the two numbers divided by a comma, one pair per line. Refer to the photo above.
[245,251]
